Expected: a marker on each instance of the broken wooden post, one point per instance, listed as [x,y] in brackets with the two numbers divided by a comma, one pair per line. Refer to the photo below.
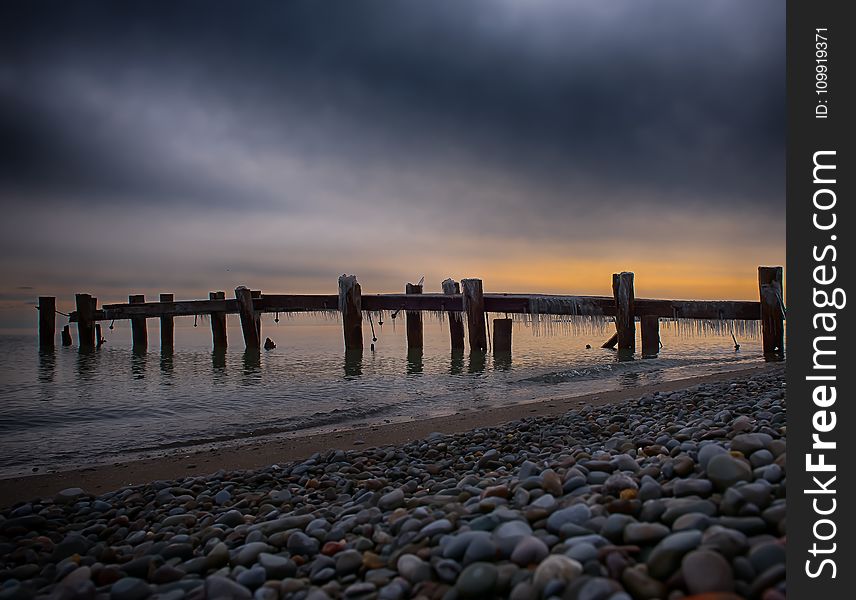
[138,325]
[47,321]
[99,339]
[167,326]
[85,321]
[414,320]
[350,305]
[456,321]
[66,336]
[610,343]
[772,309]
[501,336]
[650,336]
[622,291]
[473,299]
[248,318]
[218,322]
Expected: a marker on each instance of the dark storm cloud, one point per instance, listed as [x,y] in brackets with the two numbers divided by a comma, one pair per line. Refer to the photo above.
[672,102]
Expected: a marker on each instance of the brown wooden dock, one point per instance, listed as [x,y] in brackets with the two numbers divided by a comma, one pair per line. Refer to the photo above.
[462,302]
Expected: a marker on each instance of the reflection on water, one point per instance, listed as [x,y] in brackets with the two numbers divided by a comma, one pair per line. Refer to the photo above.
[61,405]
[415,362]
[502,361]
[353,363]
[478,361]
[456,365]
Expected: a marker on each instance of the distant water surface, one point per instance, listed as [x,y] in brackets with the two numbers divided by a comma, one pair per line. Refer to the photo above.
[65,408]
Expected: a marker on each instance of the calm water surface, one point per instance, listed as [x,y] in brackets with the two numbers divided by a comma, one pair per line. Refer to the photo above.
[66,408]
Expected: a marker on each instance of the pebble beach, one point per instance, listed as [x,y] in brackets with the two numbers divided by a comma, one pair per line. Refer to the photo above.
[678,494]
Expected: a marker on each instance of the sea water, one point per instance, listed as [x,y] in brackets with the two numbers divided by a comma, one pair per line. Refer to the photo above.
[65,408]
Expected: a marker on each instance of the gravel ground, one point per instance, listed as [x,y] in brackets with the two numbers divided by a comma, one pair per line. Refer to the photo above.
[674,495]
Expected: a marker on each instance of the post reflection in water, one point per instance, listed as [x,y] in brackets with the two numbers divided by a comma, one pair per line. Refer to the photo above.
[138,363]
[456,365]
[353,363]
[167,362]
[478,361]
[47,365]
[502,361]
[218,362]
[415,361]
[87,364]
[252,363]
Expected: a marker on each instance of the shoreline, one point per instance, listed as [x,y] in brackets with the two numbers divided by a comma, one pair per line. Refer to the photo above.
[257,454]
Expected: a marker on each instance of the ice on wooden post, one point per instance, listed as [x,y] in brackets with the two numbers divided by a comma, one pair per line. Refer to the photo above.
[138,325]
[85,321]
[218,322]
[473,300]
[456,321]
[502,335]
[244,296]
[622,291]
[47,322]
[414,320]
[772,309]
[650,336]
[350,305]
[167,326]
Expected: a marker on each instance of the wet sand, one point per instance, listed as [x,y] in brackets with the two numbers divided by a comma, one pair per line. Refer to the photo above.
[251,455]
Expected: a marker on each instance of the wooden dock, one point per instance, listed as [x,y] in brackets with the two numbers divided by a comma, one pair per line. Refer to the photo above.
[464,301]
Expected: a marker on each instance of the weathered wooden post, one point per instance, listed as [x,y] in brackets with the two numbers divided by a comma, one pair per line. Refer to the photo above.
[66,336]
[85,321]
[350,305]
[248,318]
[622,290]
[99,339]
[167,326]
[47,321]
[414,320]
[138,325]
[218,322]
[650,336]
[501,336]
[473,298]
[772,309]
[456,321]
[257,314]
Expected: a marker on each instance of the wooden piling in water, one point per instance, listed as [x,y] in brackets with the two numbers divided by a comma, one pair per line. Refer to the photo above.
[350,305]
[622,291]
[501,335]
[772,309]
[473,300]
[650,336]
[456,321]
[414,321]
[167,326]
[47,322]
[139,334]
[66,336]
[249,326]
[99,339]
[85,321]
[218,322]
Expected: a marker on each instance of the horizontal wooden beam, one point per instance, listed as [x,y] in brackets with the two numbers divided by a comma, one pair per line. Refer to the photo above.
[495,303]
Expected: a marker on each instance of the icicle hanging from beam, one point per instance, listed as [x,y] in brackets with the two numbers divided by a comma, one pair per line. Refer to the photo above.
[552,315]
[742,329]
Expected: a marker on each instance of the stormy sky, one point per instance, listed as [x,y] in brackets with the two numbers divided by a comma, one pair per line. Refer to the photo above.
[541,145]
